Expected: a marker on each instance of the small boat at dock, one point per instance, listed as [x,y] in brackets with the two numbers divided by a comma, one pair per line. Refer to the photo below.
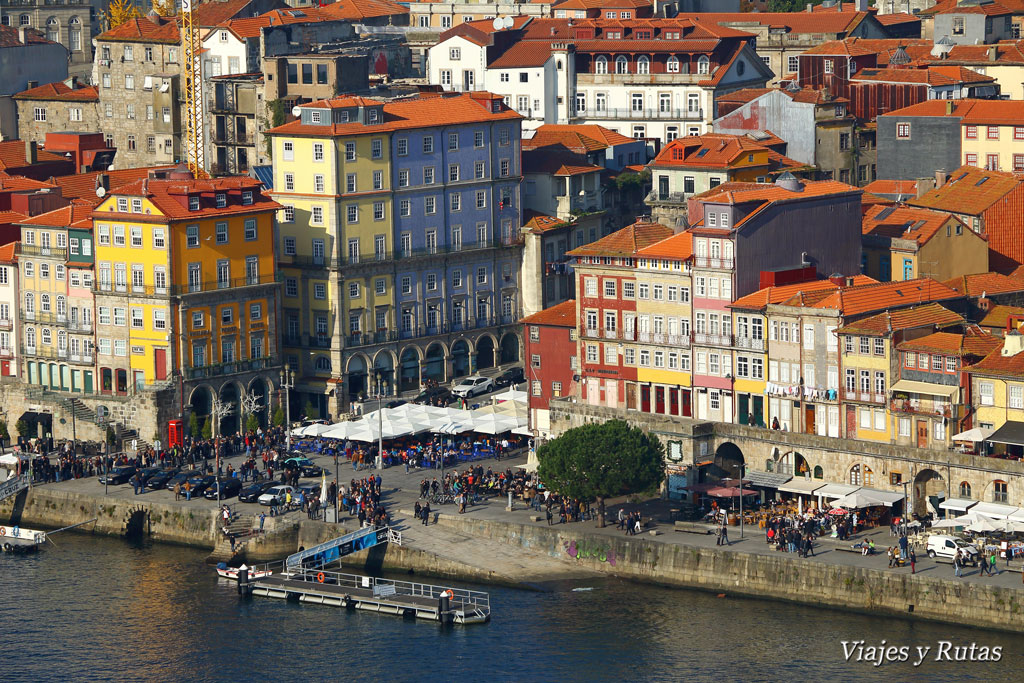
[16,539]
[231,573]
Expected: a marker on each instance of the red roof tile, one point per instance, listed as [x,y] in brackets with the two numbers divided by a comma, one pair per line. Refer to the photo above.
[859,47]
[906,223]
[897,18]
[1004,53]
[557,161]
[169,197]
[989,9]
[907,188]
[17,183]
[776,295]
[580,139]
[768,192]
[985,283]
[970,191]
[78,210]
[61,92]
[996,364]
[213,12]
[999,316]
[522,55]
[9,252]
[537,222]
[720,150]
[974,342]
[934,75]
[355,10]
[251,27]
[625,242]
[903,319]
[559,315]
[10,37]
[12,155]
[678,247]
[83,185]
[852,301]
[146,30]
[796,22]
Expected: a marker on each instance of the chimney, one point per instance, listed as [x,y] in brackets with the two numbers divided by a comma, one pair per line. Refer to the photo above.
[940,177]
[30,152]
[837,279]
[102,180]
[949,107]
[862,5]
[984,304]
[31,84]
[1013,343]
[839,6]
[924,185]
[810,7]
[21,35]
[993,53]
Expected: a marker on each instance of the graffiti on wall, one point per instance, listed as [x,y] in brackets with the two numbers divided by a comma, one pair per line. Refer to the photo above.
[584,550]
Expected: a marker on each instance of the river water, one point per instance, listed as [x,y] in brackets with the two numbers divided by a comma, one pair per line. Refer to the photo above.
[102,609]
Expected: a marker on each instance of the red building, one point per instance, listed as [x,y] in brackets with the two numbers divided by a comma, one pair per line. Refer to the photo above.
[605,291]
[551,361]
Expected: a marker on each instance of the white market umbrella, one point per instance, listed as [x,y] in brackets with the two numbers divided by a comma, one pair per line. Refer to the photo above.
[511,395]
[315,429]
[494,424]
[337,431]
[857,500]
[453,427]
[976,434]
[8,460]
[983,524]
[948,524]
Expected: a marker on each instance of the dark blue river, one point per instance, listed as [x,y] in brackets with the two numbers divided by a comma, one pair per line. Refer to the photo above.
[101,609]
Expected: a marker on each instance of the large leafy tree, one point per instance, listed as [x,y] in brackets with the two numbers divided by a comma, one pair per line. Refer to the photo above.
[599,461]
[121,11]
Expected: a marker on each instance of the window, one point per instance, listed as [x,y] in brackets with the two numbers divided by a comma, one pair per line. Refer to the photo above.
[992,132]
[986,393]
[703,65]
[903,130]
[793,64]
[999,491]
[1016,396]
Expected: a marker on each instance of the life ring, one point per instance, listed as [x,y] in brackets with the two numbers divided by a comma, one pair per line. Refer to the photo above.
[447,594]
[8,547]
[3,531]
[320,577]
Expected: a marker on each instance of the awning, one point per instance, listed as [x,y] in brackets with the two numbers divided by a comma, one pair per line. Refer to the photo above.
[801,486]
[835,490]
[957,504]
[1017,516]
[887,497]
[912,387]
[1011,432]
[994,510]
[975,434]
[768,480]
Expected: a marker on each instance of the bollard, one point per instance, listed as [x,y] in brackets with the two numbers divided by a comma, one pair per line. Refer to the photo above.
[511,505]
[243,580]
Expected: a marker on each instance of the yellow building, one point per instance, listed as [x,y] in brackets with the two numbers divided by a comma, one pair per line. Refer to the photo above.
[903,243]
[997,385]
[186,286]
[662,326]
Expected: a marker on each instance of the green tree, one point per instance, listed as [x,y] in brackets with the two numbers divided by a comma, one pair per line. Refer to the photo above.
[599,461]
[278,417]
[111,435]
[4,434]
[194,428]
[22,428]
[252,423]
[309,410]
[119,12]
[207,428]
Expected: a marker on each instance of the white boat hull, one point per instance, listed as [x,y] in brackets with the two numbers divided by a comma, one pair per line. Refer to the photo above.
[13,538]
[232,574]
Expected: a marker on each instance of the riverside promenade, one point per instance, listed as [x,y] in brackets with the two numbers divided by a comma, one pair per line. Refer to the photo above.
[491,544]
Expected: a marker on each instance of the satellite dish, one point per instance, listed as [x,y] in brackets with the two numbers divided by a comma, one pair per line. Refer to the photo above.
[508,21]
[296,111]
[101,191]
[498,23]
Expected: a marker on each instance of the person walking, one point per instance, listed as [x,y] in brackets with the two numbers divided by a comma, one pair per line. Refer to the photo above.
[957,564]
[718,535]
[992,564]
[725,533]
[550,516]
[913,561]
[426,515]
[263,518]
[892,556]
[622,518]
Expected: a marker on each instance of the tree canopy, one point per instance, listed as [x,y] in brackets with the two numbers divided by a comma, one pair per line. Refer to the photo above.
[598,461]
[121,11]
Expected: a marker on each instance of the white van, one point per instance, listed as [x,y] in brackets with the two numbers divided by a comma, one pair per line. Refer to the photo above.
[946,546]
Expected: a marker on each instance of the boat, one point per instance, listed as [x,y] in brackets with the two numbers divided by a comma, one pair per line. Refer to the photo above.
[16,539]
[231,573]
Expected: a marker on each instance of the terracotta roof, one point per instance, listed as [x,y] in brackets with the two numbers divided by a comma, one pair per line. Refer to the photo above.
[996,364]
[148,30]
[678,247]
[625,242]
[903,319]
[769,192]
[851,301]
[17,183]
[78,210]
[998,316]
[1005,53]
[796,22]
[781,293]
[9,252]
[213,12]
[970,191]
[720,150]
[539,223]
[419,112]
[11,217]
[906,223]
[859,47]
[12,155]
[933,75]
[985,283]
[601,4]
[559,315]
[867,200]
[557,161]
[344,102]
[251,27]
[989,9]
[897,18]
[83,185]
[354,10]
[974,342]
[978,112]
[169,196]
[61,92]
[743,96]
[10,37]
[522,55]
[580,139]
[908,188]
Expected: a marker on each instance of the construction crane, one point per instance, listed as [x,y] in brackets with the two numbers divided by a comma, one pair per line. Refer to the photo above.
[195,111]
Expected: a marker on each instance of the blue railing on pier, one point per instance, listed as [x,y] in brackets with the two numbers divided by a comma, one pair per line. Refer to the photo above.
[325,553]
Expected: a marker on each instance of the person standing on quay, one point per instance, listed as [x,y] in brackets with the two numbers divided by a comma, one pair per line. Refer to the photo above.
[725,535]
[913,561]
[957,565]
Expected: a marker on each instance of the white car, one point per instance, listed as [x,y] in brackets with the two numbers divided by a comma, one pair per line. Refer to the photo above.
[946,546]
[276,495]
[473,386]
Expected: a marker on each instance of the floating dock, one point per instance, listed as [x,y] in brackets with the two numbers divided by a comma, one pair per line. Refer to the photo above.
[354,591]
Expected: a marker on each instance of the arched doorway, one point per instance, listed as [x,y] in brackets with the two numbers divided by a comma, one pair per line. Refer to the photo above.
[484,353]
[260,392]
[384,365]
[409,370]
[229,422]
[202,406]
[509,348]
[356,376]
[433,363]
[927,483]
[460,358]
[729,459]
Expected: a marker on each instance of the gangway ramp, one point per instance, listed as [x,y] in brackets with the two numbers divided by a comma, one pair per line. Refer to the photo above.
[323,554]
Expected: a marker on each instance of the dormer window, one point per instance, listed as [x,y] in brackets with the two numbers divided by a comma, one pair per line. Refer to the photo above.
[247,198]
[136,206]
[314,117]
[373,116]
[193,203]
[122,204]
[344,117]
[222,200]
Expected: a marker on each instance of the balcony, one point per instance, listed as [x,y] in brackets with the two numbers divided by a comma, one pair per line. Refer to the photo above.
[863,396]
[44,317]
[79,326]
[230,283]
[80,358]
[715,263]
[318,341]
[232,368]
[37,250]
[6,324]
[916,407]
[660,338]
[673,198]
[138,290]
[682,78]
[309,261]
[707,339]
[369,338]
[749,343]
[630,114]
[6,352]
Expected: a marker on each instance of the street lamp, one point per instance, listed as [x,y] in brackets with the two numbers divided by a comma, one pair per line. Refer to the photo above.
[74,432]
[287,384]
[381,385]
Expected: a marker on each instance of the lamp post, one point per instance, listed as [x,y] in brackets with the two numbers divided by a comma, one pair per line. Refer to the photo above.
[906,507]
[381,385]
[742,467]
[287,384]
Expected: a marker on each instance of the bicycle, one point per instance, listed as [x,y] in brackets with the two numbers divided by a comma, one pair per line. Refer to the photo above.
[442,498]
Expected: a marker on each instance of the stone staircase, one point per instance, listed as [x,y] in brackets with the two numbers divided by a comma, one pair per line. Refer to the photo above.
[241,528]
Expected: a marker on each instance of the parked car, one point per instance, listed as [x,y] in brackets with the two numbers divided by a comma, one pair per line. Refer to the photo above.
[305,466]
[510,378]
[434,396]
[181,477]
[947,546]
[229,486]
[146,474]
[473,386]
[276,495]
[252,492]
[160,479]
[118,475]
[199,483]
